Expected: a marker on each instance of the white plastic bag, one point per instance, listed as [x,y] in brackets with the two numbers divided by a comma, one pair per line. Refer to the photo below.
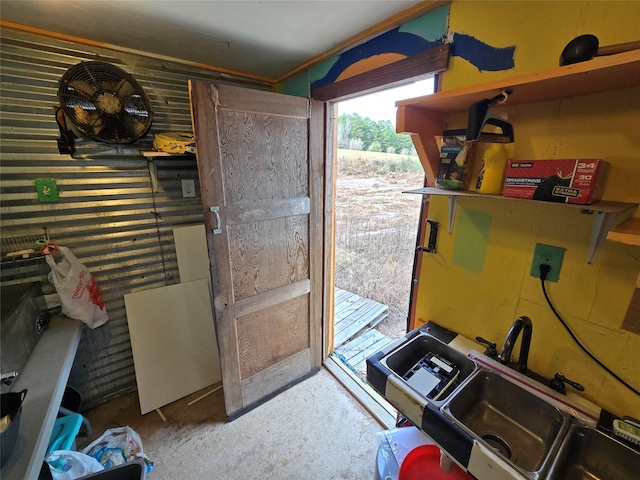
[79,293]
[116,446]
[69,465]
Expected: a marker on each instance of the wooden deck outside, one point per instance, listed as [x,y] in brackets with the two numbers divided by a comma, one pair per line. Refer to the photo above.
[354,336]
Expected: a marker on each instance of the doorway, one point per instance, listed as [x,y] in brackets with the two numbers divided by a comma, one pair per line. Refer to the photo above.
[375,227]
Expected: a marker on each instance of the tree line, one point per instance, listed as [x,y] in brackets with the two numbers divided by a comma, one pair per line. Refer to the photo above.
[358,133]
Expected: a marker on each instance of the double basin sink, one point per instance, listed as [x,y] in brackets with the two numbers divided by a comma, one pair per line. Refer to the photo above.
[530,435]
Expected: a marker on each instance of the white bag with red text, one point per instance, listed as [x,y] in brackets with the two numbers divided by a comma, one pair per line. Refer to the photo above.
[79,293]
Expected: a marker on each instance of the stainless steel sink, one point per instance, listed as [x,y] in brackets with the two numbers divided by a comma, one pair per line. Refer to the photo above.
[409,354]
[516,424]
[537,438]
[587,454]
[22,320]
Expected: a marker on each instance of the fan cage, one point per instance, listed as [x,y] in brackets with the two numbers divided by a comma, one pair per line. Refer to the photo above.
[104,102]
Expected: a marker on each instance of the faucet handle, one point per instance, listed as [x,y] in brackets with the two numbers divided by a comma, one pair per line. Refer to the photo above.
[490,351]
[558,384]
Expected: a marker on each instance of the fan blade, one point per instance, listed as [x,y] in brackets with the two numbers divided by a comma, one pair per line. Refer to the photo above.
[82,87]
[125,88]
[88,121]
[132,125]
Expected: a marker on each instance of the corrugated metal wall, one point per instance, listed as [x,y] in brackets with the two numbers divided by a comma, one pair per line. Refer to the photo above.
[107,214]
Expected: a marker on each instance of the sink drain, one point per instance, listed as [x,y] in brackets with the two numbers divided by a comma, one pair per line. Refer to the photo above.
[498,444]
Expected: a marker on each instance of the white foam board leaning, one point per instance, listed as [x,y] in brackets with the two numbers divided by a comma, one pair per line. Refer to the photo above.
[175,352]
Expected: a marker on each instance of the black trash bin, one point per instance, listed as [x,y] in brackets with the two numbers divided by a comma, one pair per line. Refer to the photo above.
[11,405]
[136,470]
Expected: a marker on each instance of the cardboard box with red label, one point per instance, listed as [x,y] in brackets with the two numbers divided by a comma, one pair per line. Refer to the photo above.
[565,181]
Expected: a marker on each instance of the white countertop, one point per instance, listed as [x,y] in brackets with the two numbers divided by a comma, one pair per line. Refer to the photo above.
[44,376]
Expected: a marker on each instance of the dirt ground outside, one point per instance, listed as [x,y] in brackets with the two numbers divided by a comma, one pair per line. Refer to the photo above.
[376,228]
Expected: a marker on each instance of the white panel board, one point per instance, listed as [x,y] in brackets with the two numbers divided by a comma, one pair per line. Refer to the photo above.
[193,262]
[175,352]
[191,252]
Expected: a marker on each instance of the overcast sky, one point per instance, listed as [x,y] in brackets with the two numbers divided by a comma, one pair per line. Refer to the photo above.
[381,105]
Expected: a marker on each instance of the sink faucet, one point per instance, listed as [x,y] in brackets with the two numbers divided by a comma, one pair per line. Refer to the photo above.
[521,323]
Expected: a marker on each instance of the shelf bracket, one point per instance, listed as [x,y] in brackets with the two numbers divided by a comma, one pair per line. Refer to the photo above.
[153,174]
[602,223]
[151,155]
[453,202]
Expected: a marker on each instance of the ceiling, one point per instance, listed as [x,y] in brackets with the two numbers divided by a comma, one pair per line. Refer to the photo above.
[266,38]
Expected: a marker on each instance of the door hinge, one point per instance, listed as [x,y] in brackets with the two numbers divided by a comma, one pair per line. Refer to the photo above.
[215,100]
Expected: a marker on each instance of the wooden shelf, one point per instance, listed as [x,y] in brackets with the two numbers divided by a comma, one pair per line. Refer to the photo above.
[156,153]
[607,215]
[426,117]
[627,232]
[601,74]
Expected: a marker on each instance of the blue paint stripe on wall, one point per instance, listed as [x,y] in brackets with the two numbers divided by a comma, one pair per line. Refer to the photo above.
[483,56]
[393,41]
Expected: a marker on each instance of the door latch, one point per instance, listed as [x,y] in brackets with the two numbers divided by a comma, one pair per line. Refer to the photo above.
[217,228]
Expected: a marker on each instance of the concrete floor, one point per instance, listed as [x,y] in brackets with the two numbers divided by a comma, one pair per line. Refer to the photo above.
[314,430]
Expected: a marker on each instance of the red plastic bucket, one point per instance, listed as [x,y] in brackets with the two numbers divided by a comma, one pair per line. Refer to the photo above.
[423,463]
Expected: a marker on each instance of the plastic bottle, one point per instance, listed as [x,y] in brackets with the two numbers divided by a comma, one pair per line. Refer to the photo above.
[494,165]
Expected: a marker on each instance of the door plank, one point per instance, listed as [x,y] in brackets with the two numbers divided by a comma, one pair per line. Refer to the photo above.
[255,101]
[272,334]
[258,168]
[267,210]
[316,257]
[328,280]
[204,119]
[250,305]
[275,377]
[268,255]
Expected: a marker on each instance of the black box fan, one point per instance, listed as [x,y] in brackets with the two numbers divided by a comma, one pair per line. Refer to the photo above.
[104,102]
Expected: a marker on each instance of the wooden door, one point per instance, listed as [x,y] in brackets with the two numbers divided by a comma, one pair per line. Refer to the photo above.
[261,185]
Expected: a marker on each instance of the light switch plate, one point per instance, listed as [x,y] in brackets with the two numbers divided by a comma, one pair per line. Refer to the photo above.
[188,188]
[47,189]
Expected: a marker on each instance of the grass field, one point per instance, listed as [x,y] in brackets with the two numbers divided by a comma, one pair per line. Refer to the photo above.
[356,162]
[376,228]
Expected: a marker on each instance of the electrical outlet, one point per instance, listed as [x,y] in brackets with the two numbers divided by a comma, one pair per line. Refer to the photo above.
[547,255]
[46,189]
[188,188]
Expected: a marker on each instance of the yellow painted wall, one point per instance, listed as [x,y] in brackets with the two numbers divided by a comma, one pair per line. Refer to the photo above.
[592,298]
